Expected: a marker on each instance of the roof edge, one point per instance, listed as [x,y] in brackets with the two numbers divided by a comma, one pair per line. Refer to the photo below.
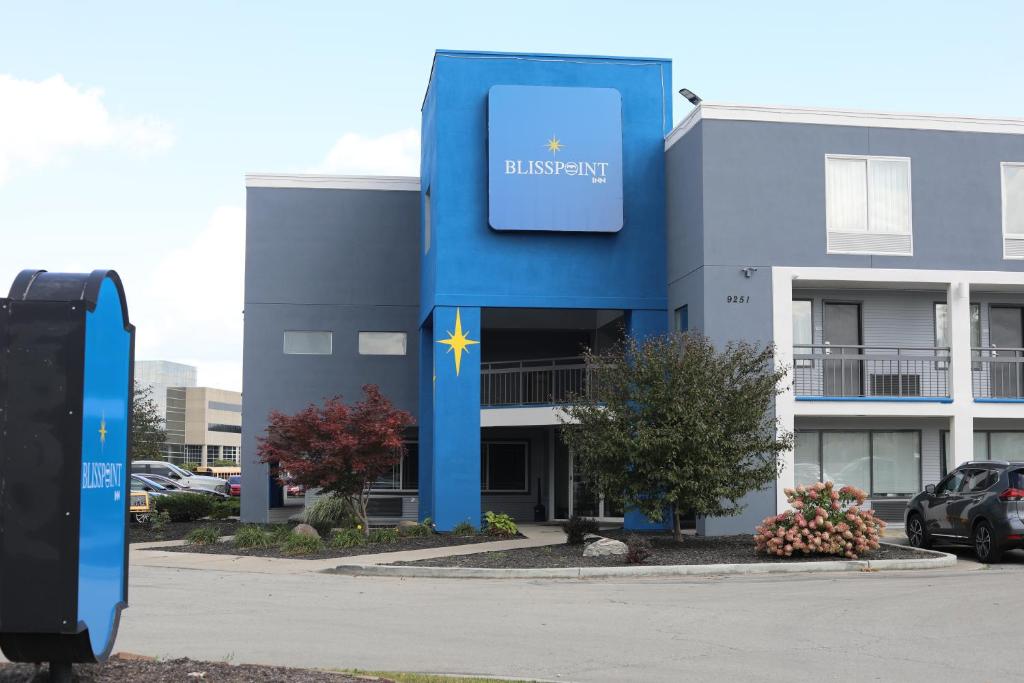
[332,182]
[844,117]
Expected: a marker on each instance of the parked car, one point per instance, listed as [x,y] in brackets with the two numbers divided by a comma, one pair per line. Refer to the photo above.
[174,486]
[235,485]
[180,476]
[980,504]
[296,490]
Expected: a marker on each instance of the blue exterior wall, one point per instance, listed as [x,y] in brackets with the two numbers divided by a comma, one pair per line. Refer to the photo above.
[471,264]
[468,265]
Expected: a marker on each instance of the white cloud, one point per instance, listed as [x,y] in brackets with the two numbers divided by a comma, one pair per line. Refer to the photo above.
[190,309]
[395,153]
[42,121]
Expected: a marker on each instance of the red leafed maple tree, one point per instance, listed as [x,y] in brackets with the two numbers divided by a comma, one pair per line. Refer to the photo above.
[339,448]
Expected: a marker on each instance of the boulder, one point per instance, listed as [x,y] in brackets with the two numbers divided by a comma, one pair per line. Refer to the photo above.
[406,524]
[603,547]
[306,530]
[587,538]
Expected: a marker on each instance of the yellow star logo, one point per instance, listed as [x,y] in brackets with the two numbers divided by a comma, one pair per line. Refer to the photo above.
[457,341]
[103,431]
[554,145]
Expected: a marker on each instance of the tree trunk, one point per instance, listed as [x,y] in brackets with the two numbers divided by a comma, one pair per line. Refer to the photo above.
[362,504]
[677,526]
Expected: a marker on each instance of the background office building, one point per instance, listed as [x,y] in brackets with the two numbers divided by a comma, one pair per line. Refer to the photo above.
[557,209]
[202,424]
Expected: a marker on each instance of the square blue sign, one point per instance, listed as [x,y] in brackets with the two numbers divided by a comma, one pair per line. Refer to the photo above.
[554,158]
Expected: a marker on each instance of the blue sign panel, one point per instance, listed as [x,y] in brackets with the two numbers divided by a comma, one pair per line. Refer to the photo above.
[554,158]
[66,349]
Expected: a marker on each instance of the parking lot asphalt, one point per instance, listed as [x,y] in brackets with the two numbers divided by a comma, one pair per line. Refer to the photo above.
[906,625]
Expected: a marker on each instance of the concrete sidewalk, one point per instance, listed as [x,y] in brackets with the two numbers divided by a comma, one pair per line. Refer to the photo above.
[150,555]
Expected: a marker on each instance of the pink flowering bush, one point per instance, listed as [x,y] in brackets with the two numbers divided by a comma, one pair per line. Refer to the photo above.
[823,521]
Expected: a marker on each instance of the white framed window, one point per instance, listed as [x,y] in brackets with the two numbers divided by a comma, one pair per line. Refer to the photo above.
[308,342]
[868,208]
[382,343]
[1012,177]
[230,453]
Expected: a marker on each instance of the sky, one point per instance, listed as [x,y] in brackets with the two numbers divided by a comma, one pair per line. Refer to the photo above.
[126,128]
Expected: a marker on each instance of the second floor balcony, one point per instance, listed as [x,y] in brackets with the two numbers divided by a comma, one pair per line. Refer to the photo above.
[825,371]
[547,381]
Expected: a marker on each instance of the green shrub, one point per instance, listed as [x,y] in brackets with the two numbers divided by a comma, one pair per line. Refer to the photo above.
[297,544]
[185,507]
[279,533]
[463,529]
[204,535]
[384,536]
[227,507]
[499,524]
[638,549]
[347,538]
[329,512]
[577,527]
[158,521]
[252,536]
[425,528]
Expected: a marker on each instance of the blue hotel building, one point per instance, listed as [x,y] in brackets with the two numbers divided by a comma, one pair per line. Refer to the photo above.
[557,208]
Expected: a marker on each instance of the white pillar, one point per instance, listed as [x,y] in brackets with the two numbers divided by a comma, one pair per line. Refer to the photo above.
[961,425]
[782,323]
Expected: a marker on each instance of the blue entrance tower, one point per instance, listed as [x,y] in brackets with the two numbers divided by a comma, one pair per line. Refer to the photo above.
[542,185]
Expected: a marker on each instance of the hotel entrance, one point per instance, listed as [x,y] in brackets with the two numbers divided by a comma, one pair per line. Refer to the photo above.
[571,493]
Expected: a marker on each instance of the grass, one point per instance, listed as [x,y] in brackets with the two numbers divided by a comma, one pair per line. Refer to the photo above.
[297,544]
[385,536]
[204,535]
[347,538]
[252,536]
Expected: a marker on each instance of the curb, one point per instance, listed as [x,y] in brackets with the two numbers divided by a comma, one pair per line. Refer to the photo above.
[939,561]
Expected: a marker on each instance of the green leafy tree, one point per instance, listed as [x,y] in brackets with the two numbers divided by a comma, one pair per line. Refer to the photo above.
[674,424]
[147,434]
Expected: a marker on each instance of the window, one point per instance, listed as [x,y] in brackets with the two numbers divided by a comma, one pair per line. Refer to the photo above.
[212,453]
[950,484]
[382,343]
[980,450]
[682,319]
[803,330]
[895,463]
[1006,446]
[867,204]
[193,455]
[221,405]
[230,452]
[503,466]
[405,475]
[308,342]
[1013,210]
[229,429]
[426,221]
[979,480]
[882,463]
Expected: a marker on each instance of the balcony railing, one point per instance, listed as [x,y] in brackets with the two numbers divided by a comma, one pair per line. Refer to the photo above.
[998,373]
[884,372]
[548,381]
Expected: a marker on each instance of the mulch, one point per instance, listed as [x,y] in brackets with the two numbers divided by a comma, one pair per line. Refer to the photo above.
[118,670]
[665,551]
[404,543]
[176,531]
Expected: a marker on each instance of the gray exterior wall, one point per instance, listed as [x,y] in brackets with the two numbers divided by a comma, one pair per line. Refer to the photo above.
[324,259]
[752,194]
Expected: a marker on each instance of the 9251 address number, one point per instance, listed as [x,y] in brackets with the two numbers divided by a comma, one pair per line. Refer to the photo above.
[737,299]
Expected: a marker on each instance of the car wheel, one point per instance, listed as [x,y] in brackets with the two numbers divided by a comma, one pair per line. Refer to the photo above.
[985,545]
[916,533]
[141,517]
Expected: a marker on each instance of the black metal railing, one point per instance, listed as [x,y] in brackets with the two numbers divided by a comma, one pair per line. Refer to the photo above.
[997,372]
[548,381]
[834,371]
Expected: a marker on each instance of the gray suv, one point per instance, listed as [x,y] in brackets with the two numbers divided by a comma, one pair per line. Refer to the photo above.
[980,503]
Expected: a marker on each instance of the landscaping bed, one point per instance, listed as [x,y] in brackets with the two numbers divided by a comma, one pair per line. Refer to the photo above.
[398,545]
[664,551]
[118,670]
[176,531]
